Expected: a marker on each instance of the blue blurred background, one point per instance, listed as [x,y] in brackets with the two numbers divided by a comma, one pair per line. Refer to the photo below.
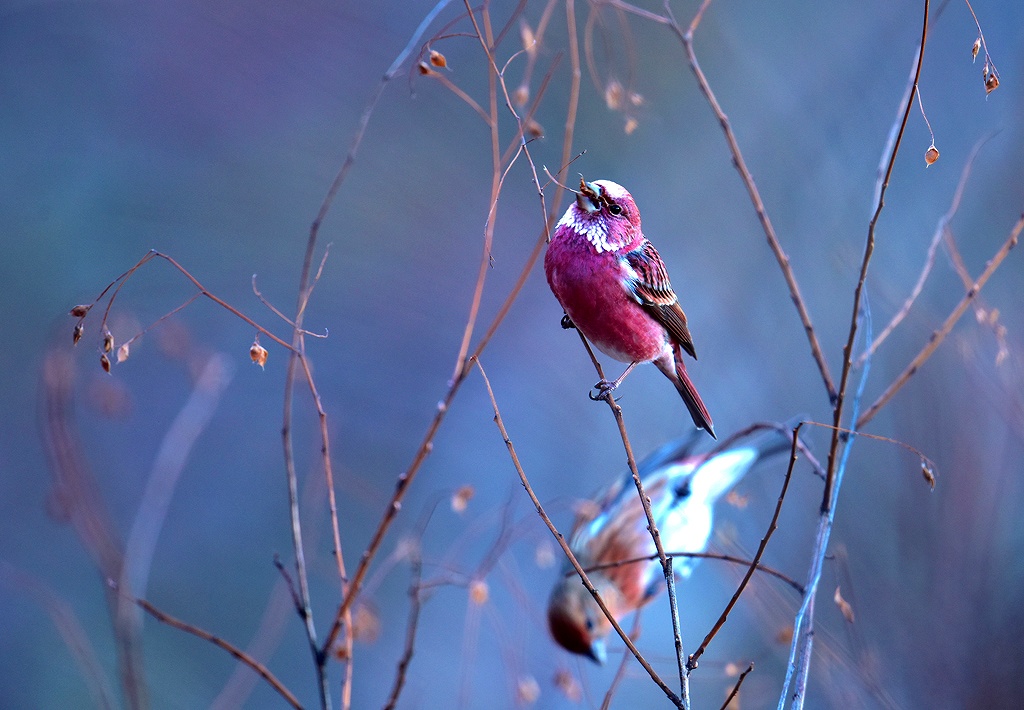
[211,130]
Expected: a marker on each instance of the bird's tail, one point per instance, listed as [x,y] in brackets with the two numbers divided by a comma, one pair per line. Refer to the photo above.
[677,373]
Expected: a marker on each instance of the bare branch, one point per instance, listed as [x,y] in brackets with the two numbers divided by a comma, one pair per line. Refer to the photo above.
[238,654]
[940,334]
[772,527]
[560,539]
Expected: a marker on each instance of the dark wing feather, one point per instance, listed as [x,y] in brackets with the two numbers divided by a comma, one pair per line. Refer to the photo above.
[653,290]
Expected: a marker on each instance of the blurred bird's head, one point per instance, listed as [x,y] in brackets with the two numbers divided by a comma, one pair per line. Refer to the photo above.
[576,621]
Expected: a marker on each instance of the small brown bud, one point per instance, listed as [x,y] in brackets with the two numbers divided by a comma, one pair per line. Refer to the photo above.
[521,95]
[931,155]
[631,125]
[636,99]
[534,129]
[105,362]
[929,475]
[425,70]
[108,341]
[79,329]
[80,310]
[975,48]
[258,353]
[438,59]
[122,353]
[991,83]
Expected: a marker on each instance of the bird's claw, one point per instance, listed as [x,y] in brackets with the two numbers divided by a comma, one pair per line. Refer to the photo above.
[604,388]
[567,323]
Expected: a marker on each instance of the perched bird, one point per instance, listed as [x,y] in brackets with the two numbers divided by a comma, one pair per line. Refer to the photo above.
[614,288]
[614,528]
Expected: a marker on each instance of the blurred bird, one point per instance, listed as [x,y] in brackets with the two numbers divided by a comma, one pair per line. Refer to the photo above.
[614,287]
[614,528]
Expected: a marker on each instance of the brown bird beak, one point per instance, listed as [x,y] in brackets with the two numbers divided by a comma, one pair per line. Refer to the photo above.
[588,198]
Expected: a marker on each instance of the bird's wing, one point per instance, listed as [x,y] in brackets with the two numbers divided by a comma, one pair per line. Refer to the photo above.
[652,288]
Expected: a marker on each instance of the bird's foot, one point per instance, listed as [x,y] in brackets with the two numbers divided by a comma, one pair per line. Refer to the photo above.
[567,323]
[604,388]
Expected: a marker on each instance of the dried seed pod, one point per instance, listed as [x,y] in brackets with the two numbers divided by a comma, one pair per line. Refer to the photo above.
[931,155]
[105,362]
[108,341]
[425,70]
[438,59]
[534,129]
[79,329]
[258,353]
[975,48]
[122,352]
[631,125]
[80,310]
[991,83]
[928,474]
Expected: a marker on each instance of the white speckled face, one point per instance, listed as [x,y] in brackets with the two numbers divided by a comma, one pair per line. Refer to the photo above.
[592,227]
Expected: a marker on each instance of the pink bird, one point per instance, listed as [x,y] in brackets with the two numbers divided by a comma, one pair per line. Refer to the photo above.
[614,528]
[615,289]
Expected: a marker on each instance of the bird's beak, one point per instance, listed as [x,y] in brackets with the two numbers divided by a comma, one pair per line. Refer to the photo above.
[587,199]
[597,652]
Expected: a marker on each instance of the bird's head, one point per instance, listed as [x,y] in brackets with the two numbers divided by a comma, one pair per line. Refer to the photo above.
[576,621]
[605,214]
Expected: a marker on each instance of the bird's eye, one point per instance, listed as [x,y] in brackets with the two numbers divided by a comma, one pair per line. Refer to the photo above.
[590,624]
[614,209]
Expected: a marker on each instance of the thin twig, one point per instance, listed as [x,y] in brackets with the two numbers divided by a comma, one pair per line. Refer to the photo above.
[276,311]
[702,556]
[803,622]
[652,527]
[415,603]
[755,196]
[940,334]
[560,539]
[485,259]
[623,664]
[426,444]
[940,230]
[153,254]
[320,654]
[869,248]
[772,527]
[238,654]
[736,688]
